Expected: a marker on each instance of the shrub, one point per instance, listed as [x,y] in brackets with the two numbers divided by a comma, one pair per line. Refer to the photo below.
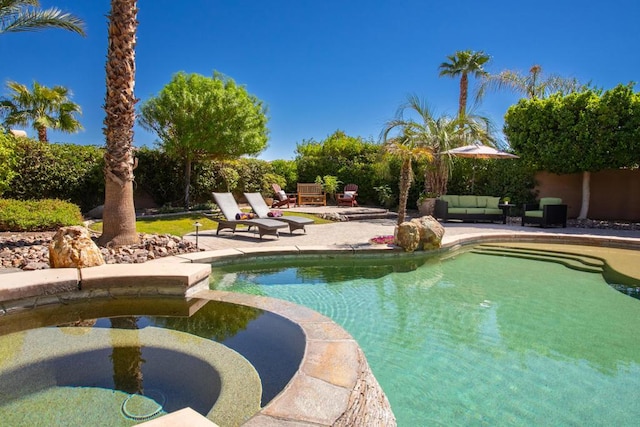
[58,171]
[37,215]
[7,160]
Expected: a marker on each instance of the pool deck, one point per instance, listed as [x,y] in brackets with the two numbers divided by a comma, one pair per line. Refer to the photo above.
[355,235]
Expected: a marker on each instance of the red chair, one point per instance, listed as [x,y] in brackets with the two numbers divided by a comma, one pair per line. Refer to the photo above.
[281,198]
[348,196]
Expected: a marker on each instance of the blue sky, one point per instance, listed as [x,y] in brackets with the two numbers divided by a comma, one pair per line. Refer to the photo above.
[325,65]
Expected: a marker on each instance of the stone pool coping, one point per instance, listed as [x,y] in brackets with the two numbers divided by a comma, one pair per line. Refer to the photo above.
[331,385]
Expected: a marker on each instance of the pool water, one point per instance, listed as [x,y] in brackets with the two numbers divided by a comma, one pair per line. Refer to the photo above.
[474,339]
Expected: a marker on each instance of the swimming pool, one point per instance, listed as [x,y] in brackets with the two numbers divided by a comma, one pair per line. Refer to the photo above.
[473,339]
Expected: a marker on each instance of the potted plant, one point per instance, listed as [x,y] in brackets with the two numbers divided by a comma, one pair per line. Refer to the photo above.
[426,203]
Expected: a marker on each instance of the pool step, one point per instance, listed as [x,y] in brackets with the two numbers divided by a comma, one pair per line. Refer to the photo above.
[585,263]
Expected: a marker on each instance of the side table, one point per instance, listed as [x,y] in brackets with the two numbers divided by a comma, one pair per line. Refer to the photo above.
[506,207]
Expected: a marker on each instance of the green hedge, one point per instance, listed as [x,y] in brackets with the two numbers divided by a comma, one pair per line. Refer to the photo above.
[57,171]
[37,215]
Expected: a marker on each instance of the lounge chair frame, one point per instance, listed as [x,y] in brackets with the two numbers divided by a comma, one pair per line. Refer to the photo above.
[261,209]
[229,207]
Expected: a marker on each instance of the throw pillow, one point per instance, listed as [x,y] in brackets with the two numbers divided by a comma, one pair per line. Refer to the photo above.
[349,194]
[282,195]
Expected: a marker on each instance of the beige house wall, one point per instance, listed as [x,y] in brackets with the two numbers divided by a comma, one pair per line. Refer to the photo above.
[615,194]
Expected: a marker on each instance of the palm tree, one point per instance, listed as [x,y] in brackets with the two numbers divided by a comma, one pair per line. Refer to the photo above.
[407,150]
[436,135]
[23,15]
[43,107]
[119,219]
[533,85]
[463,63]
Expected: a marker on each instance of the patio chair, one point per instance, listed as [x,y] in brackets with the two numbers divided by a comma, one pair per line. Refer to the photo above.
[230,210]
[281,198]
[549,211]
[348,196]
[262,211]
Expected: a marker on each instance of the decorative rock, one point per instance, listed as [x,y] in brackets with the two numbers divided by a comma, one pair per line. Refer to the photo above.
[408,236]
[423,233]
[73,247]
[431,232]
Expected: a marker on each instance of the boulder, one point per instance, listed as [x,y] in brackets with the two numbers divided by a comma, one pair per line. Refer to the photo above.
[73,247]
[431,232]
[408,236]
[424,233]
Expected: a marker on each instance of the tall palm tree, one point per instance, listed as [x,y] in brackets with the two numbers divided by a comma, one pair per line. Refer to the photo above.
[119,219]
[24,15]
[463,63]
[43,107]
[420,128]
[533,85]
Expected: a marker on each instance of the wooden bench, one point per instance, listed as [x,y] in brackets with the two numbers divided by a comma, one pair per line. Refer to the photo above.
[311,194]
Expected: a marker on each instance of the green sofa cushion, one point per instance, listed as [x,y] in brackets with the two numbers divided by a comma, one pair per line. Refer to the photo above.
[457,210]
[452,200]
[491,211]
[492,202]
[550,201]
[537,214]
[468,201]
[481,201]
[475,211]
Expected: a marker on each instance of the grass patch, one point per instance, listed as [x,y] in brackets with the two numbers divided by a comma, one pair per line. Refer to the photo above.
[179,225]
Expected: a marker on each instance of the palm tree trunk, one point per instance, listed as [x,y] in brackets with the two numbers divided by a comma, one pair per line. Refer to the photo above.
[464,88]
[42,134]
[119,219]
[406,174]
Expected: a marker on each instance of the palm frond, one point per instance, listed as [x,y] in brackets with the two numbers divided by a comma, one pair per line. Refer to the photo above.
[16,18]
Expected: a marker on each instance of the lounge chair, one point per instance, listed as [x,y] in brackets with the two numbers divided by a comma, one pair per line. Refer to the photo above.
[281,198]
[348,196]
[549,211]
[262,211]
[230,209]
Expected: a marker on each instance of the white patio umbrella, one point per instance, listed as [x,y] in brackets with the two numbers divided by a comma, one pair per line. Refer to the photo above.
[478,151]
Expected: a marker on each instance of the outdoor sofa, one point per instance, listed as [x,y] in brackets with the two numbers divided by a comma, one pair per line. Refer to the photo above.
[468,208]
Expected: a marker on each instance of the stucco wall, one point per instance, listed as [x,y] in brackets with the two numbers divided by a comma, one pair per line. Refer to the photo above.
[615,194]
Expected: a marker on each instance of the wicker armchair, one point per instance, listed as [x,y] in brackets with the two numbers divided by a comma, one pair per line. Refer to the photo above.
[549,211]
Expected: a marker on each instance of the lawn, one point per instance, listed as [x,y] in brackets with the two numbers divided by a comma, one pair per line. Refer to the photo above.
[179,225]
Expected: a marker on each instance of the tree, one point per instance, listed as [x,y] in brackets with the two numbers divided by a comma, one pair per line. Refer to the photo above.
[43,107]
[198,117]
[119,217]
[439,134]
[24,15]
[581,132]
[533,85]
[407,149]
[463,63]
